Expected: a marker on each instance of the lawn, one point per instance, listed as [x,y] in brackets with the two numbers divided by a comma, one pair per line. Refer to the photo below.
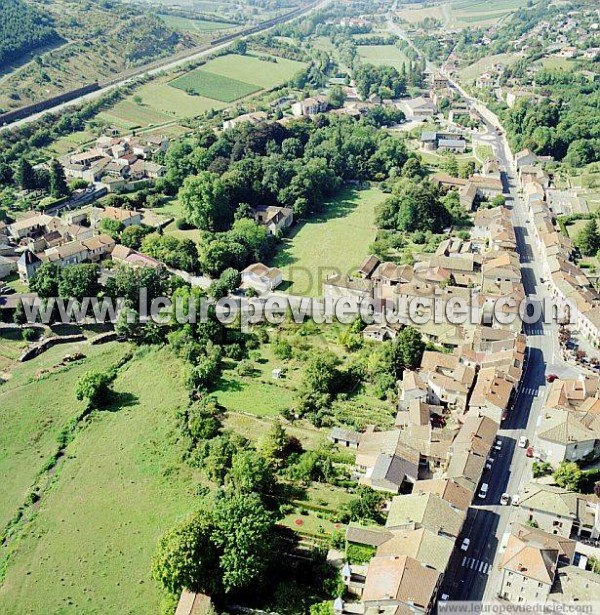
[122,485]
[33,413]
[379,55]
[211,85]
[194,26]
[336,241]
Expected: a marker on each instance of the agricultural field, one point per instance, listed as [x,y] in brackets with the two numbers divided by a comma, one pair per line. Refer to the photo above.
[251,69]
[480,11]
[128,114]
[211,85]
[337,240]
[378,55]
[122,484]
[194,26]
[219,81]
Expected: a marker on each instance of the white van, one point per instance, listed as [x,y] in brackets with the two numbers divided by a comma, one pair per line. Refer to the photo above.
[483,491]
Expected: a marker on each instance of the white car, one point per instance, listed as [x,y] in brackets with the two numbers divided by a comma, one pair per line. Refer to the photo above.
[465,544]
[516,500]
[505,499]
[445,597]
[483,491]
[498,445]
[523,441]
[489,463]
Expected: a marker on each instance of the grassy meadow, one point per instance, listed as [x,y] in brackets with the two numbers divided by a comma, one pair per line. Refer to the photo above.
[336,240]
[388,55]
[122,484]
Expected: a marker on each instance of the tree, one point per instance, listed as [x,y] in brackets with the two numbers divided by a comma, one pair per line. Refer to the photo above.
[93,387]
[568,475]
[111,227]
[337,97]
[451,165]
[78,282]
[186,557]
[205,202]
[406,351]
[588,239]
[250,472]
[240,47]
[25,175]
[44,281]
[133,236]
[278,445]
[244,534]
[58,182]
[367,506]
[202,419]
[322,374]
[412,168]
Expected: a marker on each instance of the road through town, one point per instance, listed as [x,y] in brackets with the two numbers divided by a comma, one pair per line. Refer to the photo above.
[474,574]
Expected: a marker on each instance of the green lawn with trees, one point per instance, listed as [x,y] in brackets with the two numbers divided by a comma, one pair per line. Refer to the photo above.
[336,241]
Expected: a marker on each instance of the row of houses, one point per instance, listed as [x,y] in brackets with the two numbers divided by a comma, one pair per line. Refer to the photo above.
[117,162]
[476,188]
[74,238]
[480,271]
[568,284]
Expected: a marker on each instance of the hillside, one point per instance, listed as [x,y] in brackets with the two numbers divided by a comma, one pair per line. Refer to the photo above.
[22,29]
[105,39]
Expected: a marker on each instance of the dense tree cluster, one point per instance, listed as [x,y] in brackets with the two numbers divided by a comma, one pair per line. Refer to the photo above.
[23,29]
[414,206]
[564,125]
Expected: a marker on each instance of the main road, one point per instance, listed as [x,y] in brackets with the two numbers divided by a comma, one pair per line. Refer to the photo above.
[474,574]
[166,66]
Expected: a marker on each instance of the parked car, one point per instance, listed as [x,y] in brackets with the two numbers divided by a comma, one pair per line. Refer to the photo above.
[498,445]
[505,499]
[483,491]
[489,462]
[516,500]
[465,544]
[523,441]
[551,378]
[444,597]
[529,451]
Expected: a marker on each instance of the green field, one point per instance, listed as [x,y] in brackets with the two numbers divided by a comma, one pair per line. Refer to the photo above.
[88,549]
[165,100]
[33,412]
[129,114]
[338,240]
[210,85]
[11,348]
[251,69]
[471,72]
[379,55]
[195,26]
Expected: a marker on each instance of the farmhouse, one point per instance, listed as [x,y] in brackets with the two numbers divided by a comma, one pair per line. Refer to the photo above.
[275,219]
[310,106]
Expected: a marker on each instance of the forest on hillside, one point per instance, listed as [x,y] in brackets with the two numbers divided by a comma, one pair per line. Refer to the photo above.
[22,29]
